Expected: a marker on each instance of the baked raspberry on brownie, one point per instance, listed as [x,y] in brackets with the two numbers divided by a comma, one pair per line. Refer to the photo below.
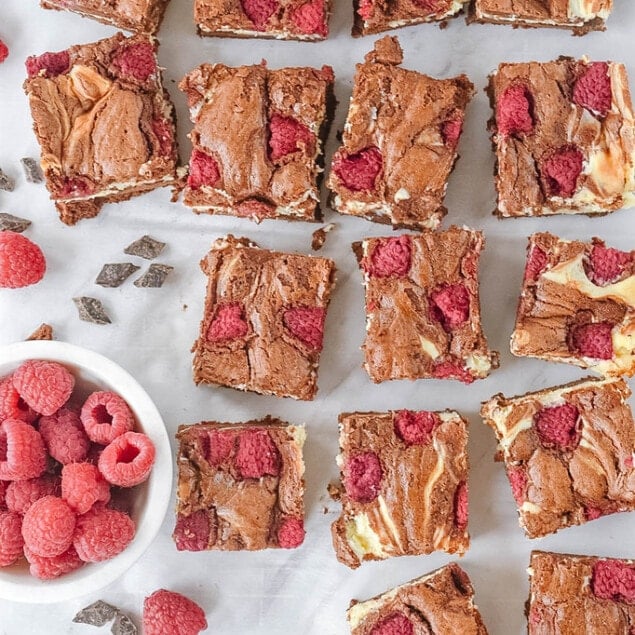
[577,305]
[571,595]
[263,324]
[239,486]
[399,143]
[423,317]
[104,123]
[403,485]
[568,452]
[564,137]
[440,602]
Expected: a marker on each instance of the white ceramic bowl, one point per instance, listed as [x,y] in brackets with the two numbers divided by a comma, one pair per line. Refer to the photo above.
[95,372]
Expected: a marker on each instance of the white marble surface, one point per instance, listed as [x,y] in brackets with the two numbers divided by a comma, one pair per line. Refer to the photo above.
[307,590]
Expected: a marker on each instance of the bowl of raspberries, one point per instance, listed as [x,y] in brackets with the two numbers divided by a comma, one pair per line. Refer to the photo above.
[85,471]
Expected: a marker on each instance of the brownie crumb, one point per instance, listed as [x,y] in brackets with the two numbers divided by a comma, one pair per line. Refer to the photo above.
[6,182]
[115,274]
[13,223]
[334,490]
[154,277]
[146,247]
[42,332]
[319,236]
[32,170]
[91,310]
[96,614]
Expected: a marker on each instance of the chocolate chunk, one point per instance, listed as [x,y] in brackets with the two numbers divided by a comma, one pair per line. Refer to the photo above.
[6,182]
[42,332]
[319,236]
[123,625]
[114,274]
[154,277]
[97,614]
[145,247]
[91,310]
[13,223]
[32,170]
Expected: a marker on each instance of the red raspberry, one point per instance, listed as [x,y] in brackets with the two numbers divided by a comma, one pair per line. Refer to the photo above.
[536,262]
[558,426]
[22,262]
[561,170]
[288,135]
[514,111]
[106,416]
[592,340]
[12,406]
[291,533]
[592,513]
[51,568]
[24,455]
[169,613]
[163,132]
[366,9]
[359,171]
[614,580]
[53,64]
[415,428]
[362,477]
[607,265]
[518,480]
[192,533]
[309,18]
[255,209]
[390,257]
[64,436]
[220,446]
[3,493]
[461,506]
[259,11]
[128,460]
[102,534]
[83,486]
[11,541]
[203,170]
[48,526]
[452,370]
[450,305]
[257,455]
[307,324]
[394,624]
[593,89]
[4,51]
[22,494]
[228,324]
[45,386]
[451,131]
[135,61]
[75,187]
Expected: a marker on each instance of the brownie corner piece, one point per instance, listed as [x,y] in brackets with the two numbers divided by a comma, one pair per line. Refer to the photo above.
[399,143]
[239,486]
[263,322]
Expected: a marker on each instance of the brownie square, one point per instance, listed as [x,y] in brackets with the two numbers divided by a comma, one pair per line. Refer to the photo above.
[141,16]
[258,140]
[239,486]
[399,142]
[403,485]
[568,452]
[563,135]
[577,305]
[423,318]
[440,602]
[264,319]
[104,123]
[572,595]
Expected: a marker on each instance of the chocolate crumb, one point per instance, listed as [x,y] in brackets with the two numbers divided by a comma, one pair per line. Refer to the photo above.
[123,625]
[325,510]
[334,491]
[13,223]
[32,170]
[146,247]
[114,274]
[319,236]
[154,277]
[42,332]
[443,25]
[96,614]
[91,310]
[6,182]
[185,307]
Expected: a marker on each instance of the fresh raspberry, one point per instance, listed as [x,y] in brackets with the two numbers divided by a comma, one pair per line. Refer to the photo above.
[22,452]
[169,613]
[102,534]
[288,135]
[45,386]
[450,305]
[259,11]
[514,111]
[220,446]
[64,436]
[12,406]
[307,324]
[3,493]
[53,64]
[51,568]
[136,61]
[536,263]
[558,426]
[4,51]
[254,208]
[518,480]
[11,541]
[309,18]
[359,171]
[362,477]
[163,132]
[366,9]
[22,494]
[22,262]
[452,370]
[48,526]
[291,533]
[75,187]
[83,486]
[128,460]
[592,90]
[592,340]
[416,428]
[394,624]
[614,580]
[461,506]
[192,533]
[592,513]
[451,131]
[606,265]
[429,6]
[228,324]
[257,455]
[106,416]
[561,170]
[390,257]
[203,170]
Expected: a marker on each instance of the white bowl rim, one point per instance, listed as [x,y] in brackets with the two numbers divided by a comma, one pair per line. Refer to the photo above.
[93,577]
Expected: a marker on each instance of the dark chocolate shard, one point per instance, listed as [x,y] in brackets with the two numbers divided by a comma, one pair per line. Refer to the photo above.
[42,332]
[123,625]
[6,182]
[97,614]
[145,247]
[319,236]
[114,274]
[13,223]
[154,277]
[91,310]
[31,170]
